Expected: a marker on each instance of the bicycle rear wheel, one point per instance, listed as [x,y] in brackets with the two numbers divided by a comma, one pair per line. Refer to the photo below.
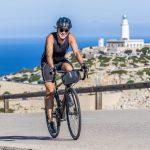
[73,113]
[56,120]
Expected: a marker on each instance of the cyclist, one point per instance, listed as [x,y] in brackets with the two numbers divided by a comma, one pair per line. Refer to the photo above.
[53,59]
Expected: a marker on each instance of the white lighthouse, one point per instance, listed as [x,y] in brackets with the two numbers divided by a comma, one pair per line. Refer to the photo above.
[125,43]
[125,28]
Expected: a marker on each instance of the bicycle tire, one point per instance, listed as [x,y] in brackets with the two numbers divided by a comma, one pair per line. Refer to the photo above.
[56,118]
[76,111]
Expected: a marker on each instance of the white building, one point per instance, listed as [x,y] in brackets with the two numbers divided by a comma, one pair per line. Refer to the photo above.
[101,43]
[125,43]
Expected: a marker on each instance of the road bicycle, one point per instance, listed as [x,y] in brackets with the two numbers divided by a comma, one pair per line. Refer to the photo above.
[70,104]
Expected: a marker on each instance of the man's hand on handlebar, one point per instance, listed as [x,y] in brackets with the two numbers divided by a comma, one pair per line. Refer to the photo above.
[53,71]
[85,69]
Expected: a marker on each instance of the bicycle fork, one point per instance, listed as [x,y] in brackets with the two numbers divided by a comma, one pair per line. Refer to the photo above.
[58,109]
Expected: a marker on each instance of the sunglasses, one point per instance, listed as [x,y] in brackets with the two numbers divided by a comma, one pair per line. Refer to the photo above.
[63,30]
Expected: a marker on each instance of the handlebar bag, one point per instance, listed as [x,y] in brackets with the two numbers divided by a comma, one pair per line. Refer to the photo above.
[71,77]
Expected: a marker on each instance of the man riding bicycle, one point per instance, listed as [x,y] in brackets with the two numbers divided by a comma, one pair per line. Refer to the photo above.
[54,59]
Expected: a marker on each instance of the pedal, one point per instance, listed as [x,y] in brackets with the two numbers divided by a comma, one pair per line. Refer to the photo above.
[63,119]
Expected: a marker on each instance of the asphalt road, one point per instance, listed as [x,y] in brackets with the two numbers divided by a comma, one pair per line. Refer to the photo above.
[101,130]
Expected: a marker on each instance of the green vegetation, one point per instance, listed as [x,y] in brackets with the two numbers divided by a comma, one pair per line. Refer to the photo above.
[16,79]
[34,78]
[6,92]
[73,58]
[145,50]
[89,62]
[146,70]
[77,65]
[24,78]
[147,57]
[104,61]
[128,52]
[119,59]
[134,59]
[123,65]
[9,110]
[120,72]
[38,68]
[130,81]
[58,77]
[24,70]
[116,61]
[104,65]
[20,79]
[141,59]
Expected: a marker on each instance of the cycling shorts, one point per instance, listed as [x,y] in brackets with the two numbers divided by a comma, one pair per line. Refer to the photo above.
[47,70]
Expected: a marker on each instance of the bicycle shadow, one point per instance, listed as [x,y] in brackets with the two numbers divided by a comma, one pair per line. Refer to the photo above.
[40,138]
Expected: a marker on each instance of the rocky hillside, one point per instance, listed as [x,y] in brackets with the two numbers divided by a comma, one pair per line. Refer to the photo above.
[104,68]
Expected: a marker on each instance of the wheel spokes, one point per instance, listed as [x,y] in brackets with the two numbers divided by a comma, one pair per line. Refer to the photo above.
[74,116]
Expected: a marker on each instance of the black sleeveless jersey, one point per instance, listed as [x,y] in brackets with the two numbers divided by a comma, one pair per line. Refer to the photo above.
[59,50]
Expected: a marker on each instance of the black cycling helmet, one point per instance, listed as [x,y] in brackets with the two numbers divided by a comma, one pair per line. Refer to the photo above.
[64,22]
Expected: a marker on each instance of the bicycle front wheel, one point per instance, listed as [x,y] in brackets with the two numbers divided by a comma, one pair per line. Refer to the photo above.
[73,113]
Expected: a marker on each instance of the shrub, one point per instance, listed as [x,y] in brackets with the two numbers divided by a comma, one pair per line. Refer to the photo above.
[77,65]
[23,79]
[25,76]
[146,70]
[9,110]
[145,50]
[16,79]
[123,65]
[115,63]
[119,59]
[73,58]
[130,81]
[138,50]
[128,52]
[6,92]
[120,72]
[24,70]
[139,60]
[104,65]
[38,68]
[34,78]
[104,59]
[89,62]
[147,57]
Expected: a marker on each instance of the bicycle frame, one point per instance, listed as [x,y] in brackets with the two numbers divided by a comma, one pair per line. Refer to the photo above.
[62,105]
[57,94]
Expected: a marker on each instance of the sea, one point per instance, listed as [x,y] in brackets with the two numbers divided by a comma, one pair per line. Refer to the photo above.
[16,54]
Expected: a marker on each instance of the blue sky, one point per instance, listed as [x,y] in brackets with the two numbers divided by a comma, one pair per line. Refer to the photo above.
[36,18]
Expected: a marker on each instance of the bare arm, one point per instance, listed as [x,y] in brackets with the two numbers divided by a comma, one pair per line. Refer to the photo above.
[49,50]
[75,49]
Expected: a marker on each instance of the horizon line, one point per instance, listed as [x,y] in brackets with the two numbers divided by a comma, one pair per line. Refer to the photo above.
[78,36]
